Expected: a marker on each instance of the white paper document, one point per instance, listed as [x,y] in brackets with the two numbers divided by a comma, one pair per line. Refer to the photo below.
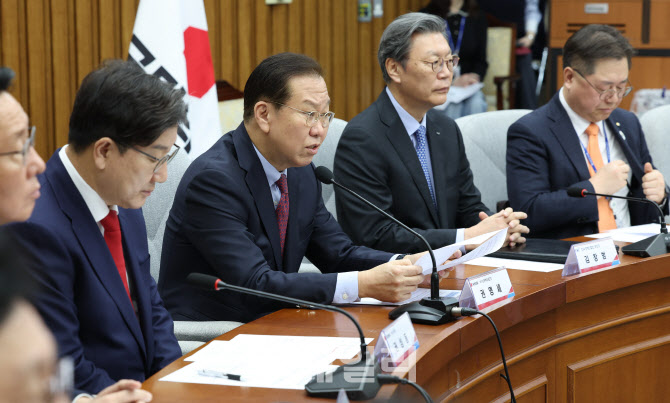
[282,362]
[630,234]
[417,295]
[516,264]
[490,242]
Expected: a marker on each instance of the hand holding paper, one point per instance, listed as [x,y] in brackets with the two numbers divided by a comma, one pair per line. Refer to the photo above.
[490,242]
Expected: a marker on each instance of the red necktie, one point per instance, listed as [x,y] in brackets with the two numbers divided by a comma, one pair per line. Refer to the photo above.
[282,210]
[115,245]
[606,219]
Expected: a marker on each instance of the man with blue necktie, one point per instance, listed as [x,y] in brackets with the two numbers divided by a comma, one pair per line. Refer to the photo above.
[409,160]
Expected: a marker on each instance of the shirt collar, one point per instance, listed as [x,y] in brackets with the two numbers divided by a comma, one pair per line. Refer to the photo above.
[411,125]
[94,202]
[271,172]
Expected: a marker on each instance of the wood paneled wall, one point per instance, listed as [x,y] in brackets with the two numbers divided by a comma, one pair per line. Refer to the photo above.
[53,44]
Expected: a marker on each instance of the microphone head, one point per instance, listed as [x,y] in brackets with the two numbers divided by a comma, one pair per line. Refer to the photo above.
[324,175]
[203,280]
[576,192]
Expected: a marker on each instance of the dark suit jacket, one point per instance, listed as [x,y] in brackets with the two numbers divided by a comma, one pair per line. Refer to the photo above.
[223,223]
[544,158]
[82,298]
[376,159]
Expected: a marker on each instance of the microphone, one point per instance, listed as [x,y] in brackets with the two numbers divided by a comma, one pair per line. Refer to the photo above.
[358,379]
[429,311]
[654,245]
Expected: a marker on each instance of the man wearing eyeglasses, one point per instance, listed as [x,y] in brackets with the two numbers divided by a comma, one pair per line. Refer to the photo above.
[19,162]
[409,160]
[582,139]
[86,237]
[250,208]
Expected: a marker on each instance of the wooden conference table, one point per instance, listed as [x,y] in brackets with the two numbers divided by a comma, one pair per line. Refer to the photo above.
[603,336]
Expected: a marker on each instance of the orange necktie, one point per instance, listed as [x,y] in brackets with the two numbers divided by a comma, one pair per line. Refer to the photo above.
[606,219]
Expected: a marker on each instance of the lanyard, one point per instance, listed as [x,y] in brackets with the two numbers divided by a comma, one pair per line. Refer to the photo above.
[459,40]
[607,150]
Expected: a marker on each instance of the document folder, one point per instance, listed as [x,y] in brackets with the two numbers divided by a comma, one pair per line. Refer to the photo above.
[537,250]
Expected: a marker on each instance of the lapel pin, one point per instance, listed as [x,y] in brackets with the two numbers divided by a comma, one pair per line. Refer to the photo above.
[618,124]
[438,133]
[623,136]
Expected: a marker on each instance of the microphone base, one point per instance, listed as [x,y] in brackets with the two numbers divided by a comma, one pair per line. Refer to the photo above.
[427,311]
[358,380]
[653,246]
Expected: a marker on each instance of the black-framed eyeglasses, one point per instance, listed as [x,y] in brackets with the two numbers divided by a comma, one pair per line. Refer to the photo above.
[160,161]
[438,65]
[604,94]
[313,116]
[30,142]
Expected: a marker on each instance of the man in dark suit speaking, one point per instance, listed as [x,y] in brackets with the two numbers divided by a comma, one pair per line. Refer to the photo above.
[407,160]
[250,208]
[582,139]
[86,238]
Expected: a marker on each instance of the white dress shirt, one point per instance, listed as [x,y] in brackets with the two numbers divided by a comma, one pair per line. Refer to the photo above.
[619,206]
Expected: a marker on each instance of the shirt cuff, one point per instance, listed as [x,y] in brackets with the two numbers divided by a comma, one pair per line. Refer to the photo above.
[346,289]
[82,395]
[460,237]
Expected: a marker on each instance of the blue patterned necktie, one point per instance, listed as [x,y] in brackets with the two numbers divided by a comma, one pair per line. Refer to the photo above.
[282,210]
[422,153]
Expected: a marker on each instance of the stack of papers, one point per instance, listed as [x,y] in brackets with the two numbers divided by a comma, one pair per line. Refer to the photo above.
[630,234]
[281,362]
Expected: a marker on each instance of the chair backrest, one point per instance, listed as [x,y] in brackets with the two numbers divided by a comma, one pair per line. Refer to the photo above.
[485,139]
[326,156]
[655,125]
[157,208]
[500,47]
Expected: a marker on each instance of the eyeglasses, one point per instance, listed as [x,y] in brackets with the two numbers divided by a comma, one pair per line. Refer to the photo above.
[438,64]
[604,94]
[313,116]
[26,147]
[160,161]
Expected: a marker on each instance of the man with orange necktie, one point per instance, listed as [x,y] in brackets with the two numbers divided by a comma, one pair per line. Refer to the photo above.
[86,237]
[582,139]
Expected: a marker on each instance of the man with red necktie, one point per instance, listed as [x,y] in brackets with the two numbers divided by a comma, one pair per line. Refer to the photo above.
[86,237]
[582,139]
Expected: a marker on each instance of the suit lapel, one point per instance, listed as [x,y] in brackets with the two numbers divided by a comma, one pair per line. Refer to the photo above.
[142,297]
[439,154]
[258,186]
[292,231]
[616,129]
[397,135]
[92,243]
[563,130]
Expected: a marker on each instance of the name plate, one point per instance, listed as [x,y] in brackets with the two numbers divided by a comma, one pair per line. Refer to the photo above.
[589,256]
[486,289]
[396,342]
[596,8]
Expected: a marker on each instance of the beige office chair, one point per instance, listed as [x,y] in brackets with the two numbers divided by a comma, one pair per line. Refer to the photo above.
[485,139]
[190,334]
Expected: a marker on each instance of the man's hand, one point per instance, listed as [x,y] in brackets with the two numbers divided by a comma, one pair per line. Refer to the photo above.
[653,184]
[392,282]
[124,391]
[507,218]
[527,40]
[441,273]
[611,177]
